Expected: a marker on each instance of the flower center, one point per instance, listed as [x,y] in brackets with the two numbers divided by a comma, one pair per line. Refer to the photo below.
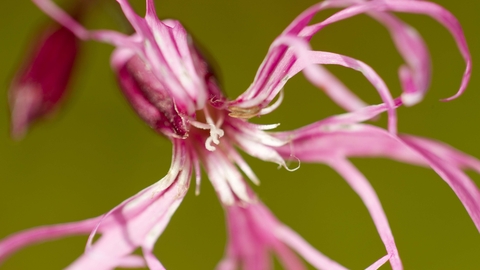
[210,119]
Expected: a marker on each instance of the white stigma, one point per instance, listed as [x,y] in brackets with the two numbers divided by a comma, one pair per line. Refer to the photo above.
[215,131]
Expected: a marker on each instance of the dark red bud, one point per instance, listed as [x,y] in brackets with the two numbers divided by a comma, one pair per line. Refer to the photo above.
[42,82]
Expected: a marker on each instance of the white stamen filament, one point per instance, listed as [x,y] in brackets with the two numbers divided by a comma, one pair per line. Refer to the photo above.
[215,131]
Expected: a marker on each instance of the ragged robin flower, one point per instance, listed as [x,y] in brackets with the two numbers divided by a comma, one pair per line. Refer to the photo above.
[171,87]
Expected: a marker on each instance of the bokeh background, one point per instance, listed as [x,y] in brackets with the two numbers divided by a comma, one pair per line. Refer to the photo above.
[95,152]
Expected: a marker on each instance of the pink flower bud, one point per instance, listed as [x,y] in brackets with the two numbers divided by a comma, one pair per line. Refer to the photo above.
[41,83]
[149,98]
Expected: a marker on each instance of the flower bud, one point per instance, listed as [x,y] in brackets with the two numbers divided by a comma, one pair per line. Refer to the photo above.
[41,83]
[148,94]
[149,98]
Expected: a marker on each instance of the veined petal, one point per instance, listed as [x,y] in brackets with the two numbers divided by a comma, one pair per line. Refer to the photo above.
[165,48]
[334,88]
[314,144]
[318,57]
[433,10]
[136,222]
[254,232]
[128,233]
[17,241]
[414,76]
[362,187]
[461,184]
[62,17]
[309,253]
[257,149]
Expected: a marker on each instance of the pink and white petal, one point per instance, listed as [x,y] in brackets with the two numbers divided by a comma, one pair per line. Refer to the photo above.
[243,246]
[363,188]
[315,144]
[128,233]
[254,133]
[379,263]
[318,142]
[152,262]
[415,76]
[251,237]
[315,74]
[130,209]
[258,150]
[276,53]
[254,249]
[232,153]
[461,184]
[137,22]
[118,39]
[327,58]
[358,116]
[150,11]
[62,17]
[334,88]
[132,261]
[433,10]
[265,224]
[309,253]
[230,175]
[446,152]
[17,241]
[227,263]
[136,204]
[216,176]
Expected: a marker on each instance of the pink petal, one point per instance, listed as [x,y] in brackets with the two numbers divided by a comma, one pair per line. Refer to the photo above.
[433,10]
[321,143]
[62,17]
[318,57]
[362,187]
[379,263]
[254,232]
[17,241]
[125,233]
[335,89]
[309,253]
[462,185]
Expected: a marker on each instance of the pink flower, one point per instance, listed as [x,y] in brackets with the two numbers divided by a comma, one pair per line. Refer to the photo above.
[170,86]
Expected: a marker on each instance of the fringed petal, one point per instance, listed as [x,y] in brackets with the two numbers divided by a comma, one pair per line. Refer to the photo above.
[136,222]
[254,232]
[17,241]
[314,143]
[461,184]
[433,10]
[414,76]
[309,253]
[327,58]
[362,187]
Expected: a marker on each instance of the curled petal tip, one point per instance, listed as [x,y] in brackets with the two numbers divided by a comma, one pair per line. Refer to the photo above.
[457,95]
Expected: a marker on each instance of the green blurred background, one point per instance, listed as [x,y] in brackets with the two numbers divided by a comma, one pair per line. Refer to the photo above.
[95,152]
